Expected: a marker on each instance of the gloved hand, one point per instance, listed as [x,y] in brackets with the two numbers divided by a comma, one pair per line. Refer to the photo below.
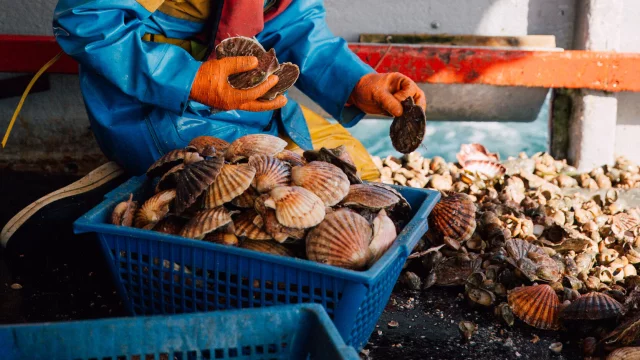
[210,87]
[381,94]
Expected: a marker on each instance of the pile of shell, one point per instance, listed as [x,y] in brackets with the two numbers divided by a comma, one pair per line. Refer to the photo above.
[254,194]
[533,239]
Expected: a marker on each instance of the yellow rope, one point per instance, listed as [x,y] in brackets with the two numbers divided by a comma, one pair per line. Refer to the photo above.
[24,96]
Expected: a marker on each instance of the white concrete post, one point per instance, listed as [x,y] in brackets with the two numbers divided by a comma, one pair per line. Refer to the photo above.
[592,127]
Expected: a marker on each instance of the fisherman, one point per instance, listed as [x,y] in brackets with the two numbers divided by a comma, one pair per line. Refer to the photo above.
[149,88]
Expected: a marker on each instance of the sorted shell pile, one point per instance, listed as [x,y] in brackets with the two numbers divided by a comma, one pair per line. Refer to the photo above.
[254,194]
[532,238]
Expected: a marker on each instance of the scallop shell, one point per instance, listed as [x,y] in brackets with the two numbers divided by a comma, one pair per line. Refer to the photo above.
[384,234]
[279,232]
[536,305]
[206,221]
[369,196]
[531,261]
[323,179]
[475,152]
[407,131]
[455,270]
[269,247]
[267,65]
[232,181]
[124,212]
[166,162]
[209,145]
[246,200]
[250,225]
[296,207]
[593,306]
[341,153]
[239,46]
[270,173]
[287,74]
[154,209]
[342,160]
[256,144]
[622,222]
[454,217]
[171,225]
[194,180]
[170,179]
[489,169]
[342,240]
[291,158]
[625,353]
[223,238]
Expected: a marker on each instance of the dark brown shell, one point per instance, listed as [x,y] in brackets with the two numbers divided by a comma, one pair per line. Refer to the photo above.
[249,224]
[369,196]
[232,181]
[455,270]
[239,46]
[454,217]
[287,74]
[536,305]
[255,144]
[329,155]
[592,306]
[269,247]
[270,173]
[209,145]
[166,162]
[246,200]
[205,222]
[194,180]
[267,65]
[408,130]
[124,212]
[222,238]
[171,225]
[342,240]
[170,178]
[154,209]
[291,158]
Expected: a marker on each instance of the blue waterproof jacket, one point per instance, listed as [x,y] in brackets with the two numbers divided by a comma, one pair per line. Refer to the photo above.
[137,92]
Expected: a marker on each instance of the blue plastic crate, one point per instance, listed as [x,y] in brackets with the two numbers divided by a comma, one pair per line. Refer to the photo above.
[280,332]
[164,274]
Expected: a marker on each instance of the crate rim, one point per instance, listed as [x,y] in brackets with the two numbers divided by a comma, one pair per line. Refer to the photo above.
[84,225]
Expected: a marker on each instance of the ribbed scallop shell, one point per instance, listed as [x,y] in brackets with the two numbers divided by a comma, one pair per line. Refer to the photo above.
[232,181]
[270,173]
[296,207]
[170,225]
[622,222]
[267,65]
[250,225]
[291,158]
[170,179]
[246,199]
[536,305]
[209,145]
[239,46]
[279,232]
[453,217]
[124,212]
[166,162]
[342,160]
[287,74]
[475,152]
[530,260]
[256,144]
[342,240]
[194,180]
[269,247]
[593,306]
[407,131]
[323,179]
[154,209]
[625,353]
[384,234]
[489,169]
[369,196]
[206,221]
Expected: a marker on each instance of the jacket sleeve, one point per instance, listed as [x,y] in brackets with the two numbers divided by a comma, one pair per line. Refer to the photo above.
[328,69]
[105,36]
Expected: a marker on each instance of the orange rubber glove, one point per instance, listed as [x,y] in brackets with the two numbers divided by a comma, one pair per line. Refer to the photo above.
[381,94]
[210,87]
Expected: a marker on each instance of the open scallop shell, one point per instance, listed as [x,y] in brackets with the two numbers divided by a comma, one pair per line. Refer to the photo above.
[475,152]
[209,145]
[250,225]
[194,180]
[232,181]
[239,46]
[342,240]
[592,306]
[167,161]
[256,144]
[486,168]
[287,74]
[267,65]
[384,234]
[124,212]
[323,179]
[206,221]
[369,196]
[269,247]
[622,222]
[154,209]
[171,225]
[291,158]
[246,200]
[408,130]
[452,219]
[270,173]
[536,305]
[296,207]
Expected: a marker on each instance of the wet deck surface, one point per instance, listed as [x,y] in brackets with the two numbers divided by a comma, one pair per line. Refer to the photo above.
[63,277]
